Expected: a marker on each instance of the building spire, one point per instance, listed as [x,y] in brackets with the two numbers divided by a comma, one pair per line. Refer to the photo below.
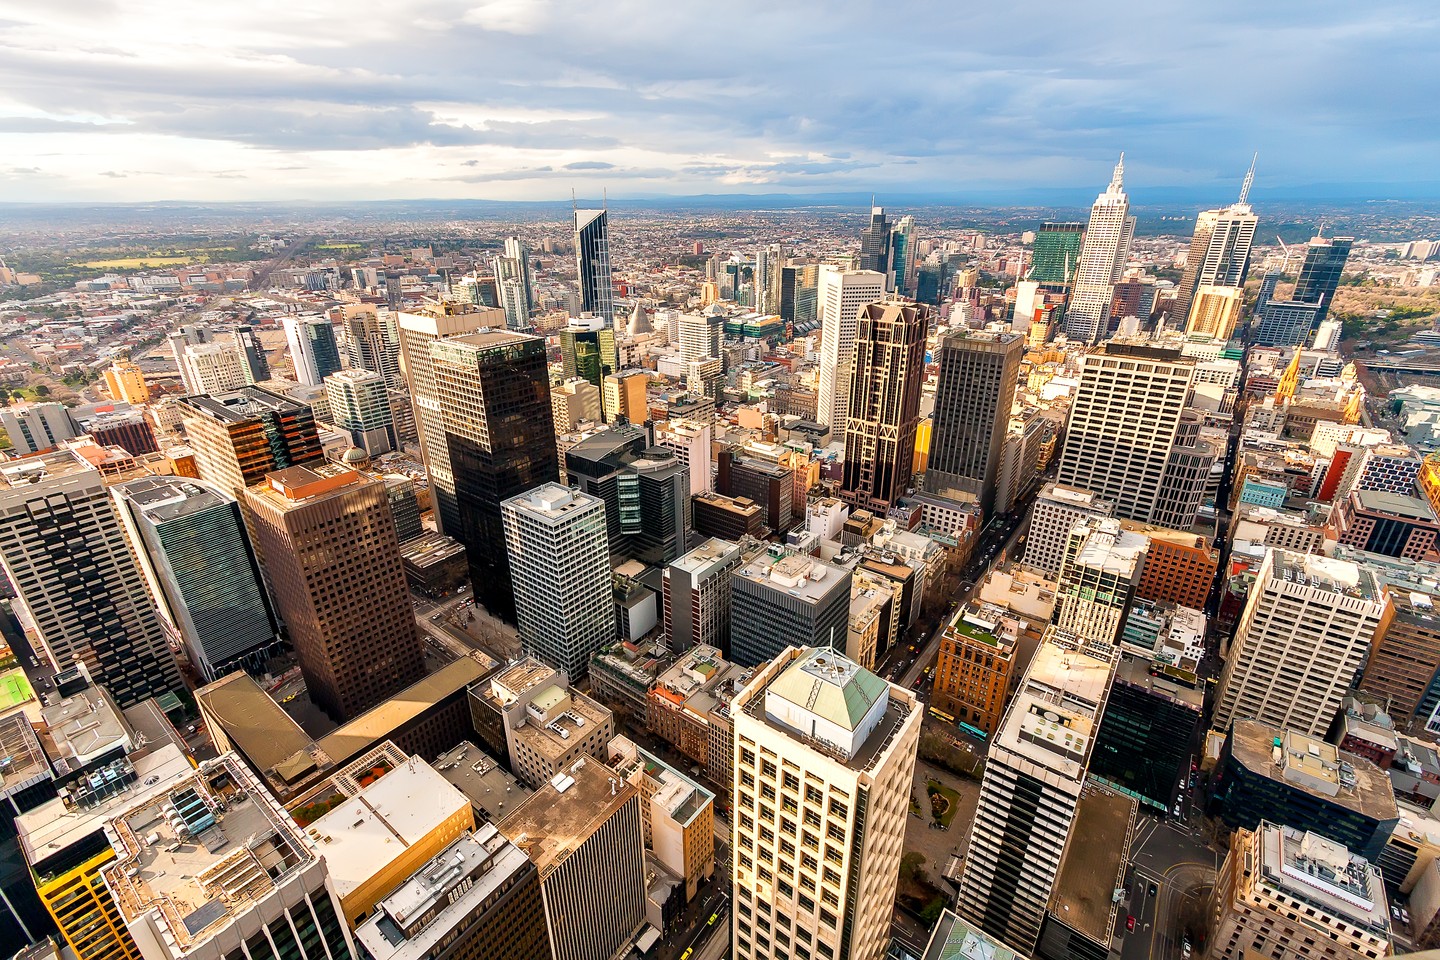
[1249,180]
[1117,179]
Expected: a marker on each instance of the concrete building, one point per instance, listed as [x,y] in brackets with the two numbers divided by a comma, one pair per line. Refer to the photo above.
[1097,582]
[204,577]
[212,368]
[887,373]
[583,831]
[688,706]
[1219,254]
[624,396]
[973,670]
[676,813]
[63,547]
[1306,630]
[372,342]
[573,402]
[239,437]
[534,720]
[820,739]
[1215,311]
[727,518]
[697,596]
[973,397]
[560,566]
[313,350]
[1033,780]
[360,406]
[690,439]
[33,427]
[1283,893]
[125,382]
[1103,254]
[1401,667]
[954,939]
[1179,566]
[1057,510]
[328,543]
[778,600]
[1083,917]
[843,294]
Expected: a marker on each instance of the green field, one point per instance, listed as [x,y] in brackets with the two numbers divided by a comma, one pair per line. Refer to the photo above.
[135,263]
[14,689]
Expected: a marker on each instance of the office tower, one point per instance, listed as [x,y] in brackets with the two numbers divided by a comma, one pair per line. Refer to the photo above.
[33,427]
[767,278]
[1320,273]
[573,402]
[1057,510]
[333,560]
[512,283]
[372,342]
[697,596]
[540,724]
[479,899]
[212,368]
[1401,668]
[1179,567]
[700,335]
[1305,633]
[195,552]
[760,480]
[186,335]
[1102,261]
[1124,424]
[360,405]
[1097,583]
[1280,891]
[729,518]
[494,393]
[1056,256]
[64,550]
[888,372]
[706,377]
[1033,778]
[843,294]
[560,565]
[126,382]
[690,440]
[791,598]
[1219,251]
[127,429]
[875,243]
[313,351]
[240,436]
[584,834]
[418,330]
[976,390]
[902,257]
[623,396]
[592,263]
[645,490]
[829,748]
[587,349]
[972,672]
[252,354]
[1215,311]
[1152,719]
[29,782]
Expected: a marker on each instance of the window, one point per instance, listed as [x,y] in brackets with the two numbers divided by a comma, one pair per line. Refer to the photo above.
[767,791]
[812,795]
[768,768]
[747,757]
[832,877]
[792,782]
[827,917]
[838,809]
[834,832]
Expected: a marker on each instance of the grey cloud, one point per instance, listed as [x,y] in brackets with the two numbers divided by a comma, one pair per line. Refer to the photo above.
[589,165]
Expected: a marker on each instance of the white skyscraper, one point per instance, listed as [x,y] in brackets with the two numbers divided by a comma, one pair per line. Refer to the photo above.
[690,439]
[560,568]
[824,756]
[843,294]
[211,368]
[1219,251]
[1102,261]
[313,350]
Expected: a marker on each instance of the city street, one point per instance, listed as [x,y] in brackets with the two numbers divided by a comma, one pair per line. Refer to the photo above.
[1182,868]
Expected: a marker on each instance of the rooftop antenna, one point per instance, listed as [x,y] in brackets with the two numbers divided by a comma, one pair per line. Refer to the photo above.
[1249,179]
[574,204]
[1117,179]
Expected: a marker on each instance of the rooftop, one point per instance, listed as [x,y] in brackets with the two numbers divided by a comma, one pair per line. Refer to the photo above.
[245,403]
[561,815]
[259,728]
[1052,718]
[955,939]
[19,474]
[1324,573]
[1323,873]
[797,574]
[1111,548]
[1094,862]
[22,761]
[1396,504]
[491,789]
[551,502]
[1314,766]
[553,717]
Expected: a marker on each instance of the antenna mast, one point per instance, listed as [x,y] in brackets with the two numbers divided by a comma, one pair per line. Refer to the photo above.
[1249,179]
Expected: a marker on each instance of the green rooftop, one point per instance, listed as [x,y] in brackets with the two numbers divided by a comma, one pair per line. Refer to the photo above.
[830,686]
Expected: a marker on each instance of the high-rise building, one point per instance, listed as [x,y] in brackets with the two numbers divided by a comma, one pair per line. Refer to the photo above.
[826,746]
[592,263]
[645,490]
[573,402]
[493,389]
[875,243]
[1033,779]
[1402,666]
[1056,255]
[624,395]
[333,558]
[583,832]
[195,552]
[360,405]
[843,294]
[418,330]
[125,382]
[978,376]
[186,335]
[790,598]
[560,567]
[33,427]
[252,354]
[212,368]
[372,342]
[313,350]
[1102,261]
[690,439]
[1305,633]
[697,596]
[902,257]
[888,373]
[1321,271]
[587,349]
[1219,251]
[1215,311]
[700,335]
[1097,583]
[1057,510]
[1124,424]
[512,283]
[240,436]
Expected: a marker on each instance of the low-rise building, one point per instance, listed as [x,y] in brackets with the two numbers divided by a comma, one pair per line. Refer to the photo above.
[973,671]
[546,725]
[677,814]
[687,707]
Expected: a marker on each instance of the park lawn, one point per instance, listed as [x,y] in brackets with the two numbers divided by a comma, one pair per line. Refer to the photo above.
[136,263]
[952,799]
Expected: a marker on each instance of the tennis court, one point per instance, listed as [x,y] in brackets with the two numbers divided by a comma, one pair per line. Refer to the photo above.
[14,689]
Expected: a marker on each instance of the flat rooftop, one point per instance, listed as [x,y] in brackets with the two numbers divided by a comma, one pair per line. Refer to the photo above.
[259,727]
[1112,548]
[1324,573]
[1397,504]
[539,736]
[490,788]
[1323,873]
[23,761]
[1094,862]
[705,556]
[800,575]
[167,498]
[1052,718]
[85,725]
[240,405]
[561,815]
[1314,766]
[19,474]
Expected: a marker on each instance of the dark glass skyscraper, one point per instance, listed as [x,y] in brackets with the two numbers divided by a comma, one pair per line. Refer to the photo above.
[875,242]
[592,263]
[587,350]
[493,389]
[976,388]
[1320,273]
[1056,255]
[646,492]
[888,372]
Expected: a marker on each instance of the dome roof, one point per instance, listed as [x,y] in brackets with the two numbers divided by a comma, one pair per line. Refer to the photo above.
[355,457]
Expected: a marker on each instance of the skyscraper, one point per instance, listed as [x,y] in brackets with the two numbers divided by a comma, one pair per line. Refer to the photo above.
[493,389]
[212,368]
[1219,251]
[979,373]
[195,552]
[240,436]
[418,330]
[884,408]
[790,598]
[1320,273]
[843,294]
[587,349]
[902,257]
[313,350]
[1102,261]
[592,263]
[64,550]
[875,243]
[825,749]
[126,382]
[560,566]
[645,489]
[512,283]
[252,354]
[360,405]
[1097,583]
[1056,255]
[697,596]
[333,558]
[1215,311]
[372,342]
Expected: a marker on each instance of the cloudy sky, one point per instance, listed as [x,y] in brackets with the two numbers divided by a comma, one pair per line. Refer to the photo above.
[527,99]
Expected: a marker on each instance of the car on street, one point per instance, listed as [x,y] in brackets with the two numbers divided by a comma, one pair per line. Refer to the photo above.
[1152,889]
[1130,923]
